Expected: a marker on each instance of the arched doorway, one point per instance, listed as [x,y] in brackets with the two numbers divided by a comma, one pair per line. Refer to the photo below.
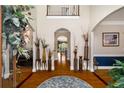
[111,23]
[62,45]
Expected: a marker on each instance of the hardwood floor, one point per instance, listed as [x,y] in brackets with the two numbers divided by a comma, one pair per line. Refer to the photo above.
[103,74]
[22,73]
[62,69]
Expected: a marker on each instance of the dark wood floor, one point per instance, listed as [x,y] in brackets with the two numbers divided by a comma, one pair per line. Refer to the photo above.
[63,69]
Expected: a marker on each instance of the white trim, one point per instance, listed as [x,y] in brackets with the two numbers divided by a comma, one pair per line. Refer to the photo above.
[108,67]
[117,55]
[112,22]
[63,17]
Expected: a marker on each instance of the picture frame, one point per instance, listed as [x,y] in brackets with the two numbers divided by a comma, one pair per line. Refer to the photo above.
[110,39]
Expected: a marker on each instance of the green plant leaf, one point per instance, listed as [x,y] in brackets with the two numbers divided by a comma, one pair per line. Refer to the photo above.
[117,75]
[119,83]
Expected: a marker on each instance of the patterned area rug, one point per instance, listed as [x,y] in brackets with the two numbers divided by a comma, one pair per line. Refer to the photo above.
[64,82]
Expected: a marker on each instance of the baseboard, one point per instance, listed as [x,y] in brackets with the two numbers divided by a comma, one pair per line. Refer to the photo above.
[108,67]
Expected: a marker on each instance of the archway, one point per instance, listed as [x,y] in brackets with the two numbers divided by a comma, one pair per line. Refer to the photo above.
[62,45]
[112,23]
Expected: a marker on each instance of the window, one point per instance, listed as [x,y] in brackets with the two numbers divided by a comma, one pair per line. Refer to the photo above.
[62,10]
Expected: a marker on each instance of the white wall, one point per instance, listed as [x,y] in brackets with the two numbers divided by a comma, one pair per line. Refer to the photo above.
[99,12]
[112,23]
[99,49]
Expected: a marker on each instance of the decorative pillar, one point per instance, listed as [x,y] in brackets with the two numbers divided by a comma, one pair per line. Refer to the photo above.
[34,52]
[92,52]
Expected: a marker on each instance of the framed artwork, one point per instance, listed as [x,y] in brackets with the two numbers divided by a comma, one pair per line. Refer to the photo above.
[110,39]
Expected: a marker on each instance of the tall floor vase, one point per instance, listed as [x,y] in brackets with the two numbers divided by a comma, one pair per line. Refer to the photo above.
[44,59]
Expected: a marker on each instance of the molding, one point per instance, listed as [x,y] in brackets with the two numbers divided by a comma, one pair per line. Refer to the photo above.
[63,17]
[118,55]
[107,67]
[112,22]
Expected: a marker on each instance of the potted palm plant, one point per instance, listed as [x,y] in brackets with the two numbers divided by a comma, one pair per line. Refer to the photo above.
[14,23]
[117,75]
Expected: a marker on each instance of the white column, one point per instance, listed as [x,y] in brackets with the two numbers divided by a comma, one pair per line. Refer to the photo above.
[34,52]
[92,52]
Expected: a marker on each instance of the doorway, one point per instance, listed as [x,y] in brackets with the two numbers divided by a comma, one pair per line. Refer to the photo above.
[62,46]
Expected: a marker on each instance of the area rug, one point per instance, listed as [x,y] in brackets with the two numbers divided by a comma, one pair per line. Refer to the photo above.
[64,82]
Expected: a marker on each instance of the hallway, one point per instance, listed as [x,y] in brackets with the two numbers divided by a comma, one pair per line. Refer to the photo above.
[62,69]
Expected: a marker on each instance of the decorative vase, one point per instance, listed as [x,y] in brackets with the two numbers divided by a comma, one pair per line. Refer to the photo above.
[49,61]
[75,59]
[80,63]
[44,56]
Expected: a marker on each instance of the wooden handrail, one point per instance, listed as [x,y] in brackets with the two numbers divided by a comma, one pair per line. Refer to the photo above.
[0,47]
